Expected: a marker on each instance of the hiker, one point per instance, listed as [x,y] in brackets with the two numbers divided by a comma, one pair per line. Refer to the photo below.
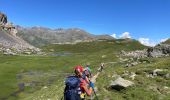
[87,71]
[87,75]
[101,67]
[76,87]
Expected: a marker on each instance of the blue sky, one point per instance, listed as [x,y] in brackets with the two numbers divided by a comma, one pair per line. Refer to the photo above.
[145,19]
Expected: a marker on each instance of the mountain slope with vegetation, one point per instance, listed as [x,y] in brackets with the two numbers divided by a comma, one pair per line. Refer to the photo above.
[166,42]
[40,36]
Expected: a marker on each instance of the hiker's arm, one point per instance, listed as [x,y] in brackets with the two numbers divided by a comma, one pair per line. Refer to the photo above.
[88,91]
[87,80]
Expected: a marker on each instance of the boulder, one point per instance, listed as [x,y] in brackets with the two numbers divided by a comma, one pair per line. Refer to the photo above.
[132,76]
[167,76]
[120,84]
[28,53]
[156,71]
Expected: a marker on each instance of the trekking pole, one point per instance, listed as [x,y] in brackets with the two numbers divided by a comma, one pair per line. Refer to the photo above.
[94,91]
[93,88]
[62,97]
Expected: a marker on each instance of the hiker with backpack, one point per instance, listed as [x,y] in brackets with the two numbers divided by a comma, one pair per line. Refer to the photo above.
[76,86]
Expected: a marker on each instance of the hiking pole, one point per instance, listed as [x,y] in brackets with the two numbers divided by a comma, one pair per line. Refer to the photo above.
[62,98]
[94,91]
[93,88]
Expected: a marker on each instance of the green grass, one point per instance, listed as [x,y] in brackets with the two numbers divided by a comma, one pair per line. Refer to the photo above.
[54,69]
[140,91]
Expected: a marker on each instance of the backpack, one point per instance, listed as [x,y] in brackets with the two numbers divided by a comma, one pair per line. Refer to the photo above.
[72,89]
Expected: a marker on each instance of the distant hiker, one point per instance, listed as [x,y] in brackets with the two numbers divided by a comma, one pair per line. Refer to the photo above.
[87,75]
[87,71]
[101,67]
[76,87]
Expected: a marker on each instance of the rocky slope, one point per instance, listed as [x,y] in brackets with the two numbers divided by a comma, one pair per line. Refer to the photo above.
[40,36]
[9,42]
[160,50]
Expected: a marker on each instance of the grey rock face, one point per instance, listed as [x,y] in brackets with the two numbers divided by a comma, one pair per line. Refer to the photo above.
[159,51]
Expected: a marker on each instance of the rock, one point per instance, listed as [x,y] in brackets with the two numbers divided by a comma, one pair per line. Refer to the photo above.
[103,56]
[120,84]
[8,52]
[125,73]
[165,87]
[28,53]
[135,54]
[13,32]
[45,87]
[131,64]
[132,76]
[122,52]
[156,71]
[167,76]
[3,18]
[149,76]
[134,63]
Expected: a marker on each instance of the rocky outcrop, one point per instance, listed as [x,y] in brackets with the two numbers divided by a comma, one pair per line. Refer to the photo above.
[3,19]
[159,50]
[135,54]
[164,73]
[5,25]
[10,43]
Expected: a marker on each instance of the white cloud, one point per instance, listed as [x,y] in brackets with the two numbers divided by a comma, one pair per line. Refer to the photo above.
[147,42]
[163,40]
[125,35]
[113,35]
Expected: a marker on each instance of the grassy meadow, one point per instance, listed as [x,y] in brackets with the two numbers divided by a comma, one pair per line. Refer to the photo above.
[43,75]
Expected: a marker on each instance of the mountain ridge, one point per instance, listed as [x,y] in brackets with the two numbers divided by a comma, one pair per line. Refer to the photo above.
[40,36]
